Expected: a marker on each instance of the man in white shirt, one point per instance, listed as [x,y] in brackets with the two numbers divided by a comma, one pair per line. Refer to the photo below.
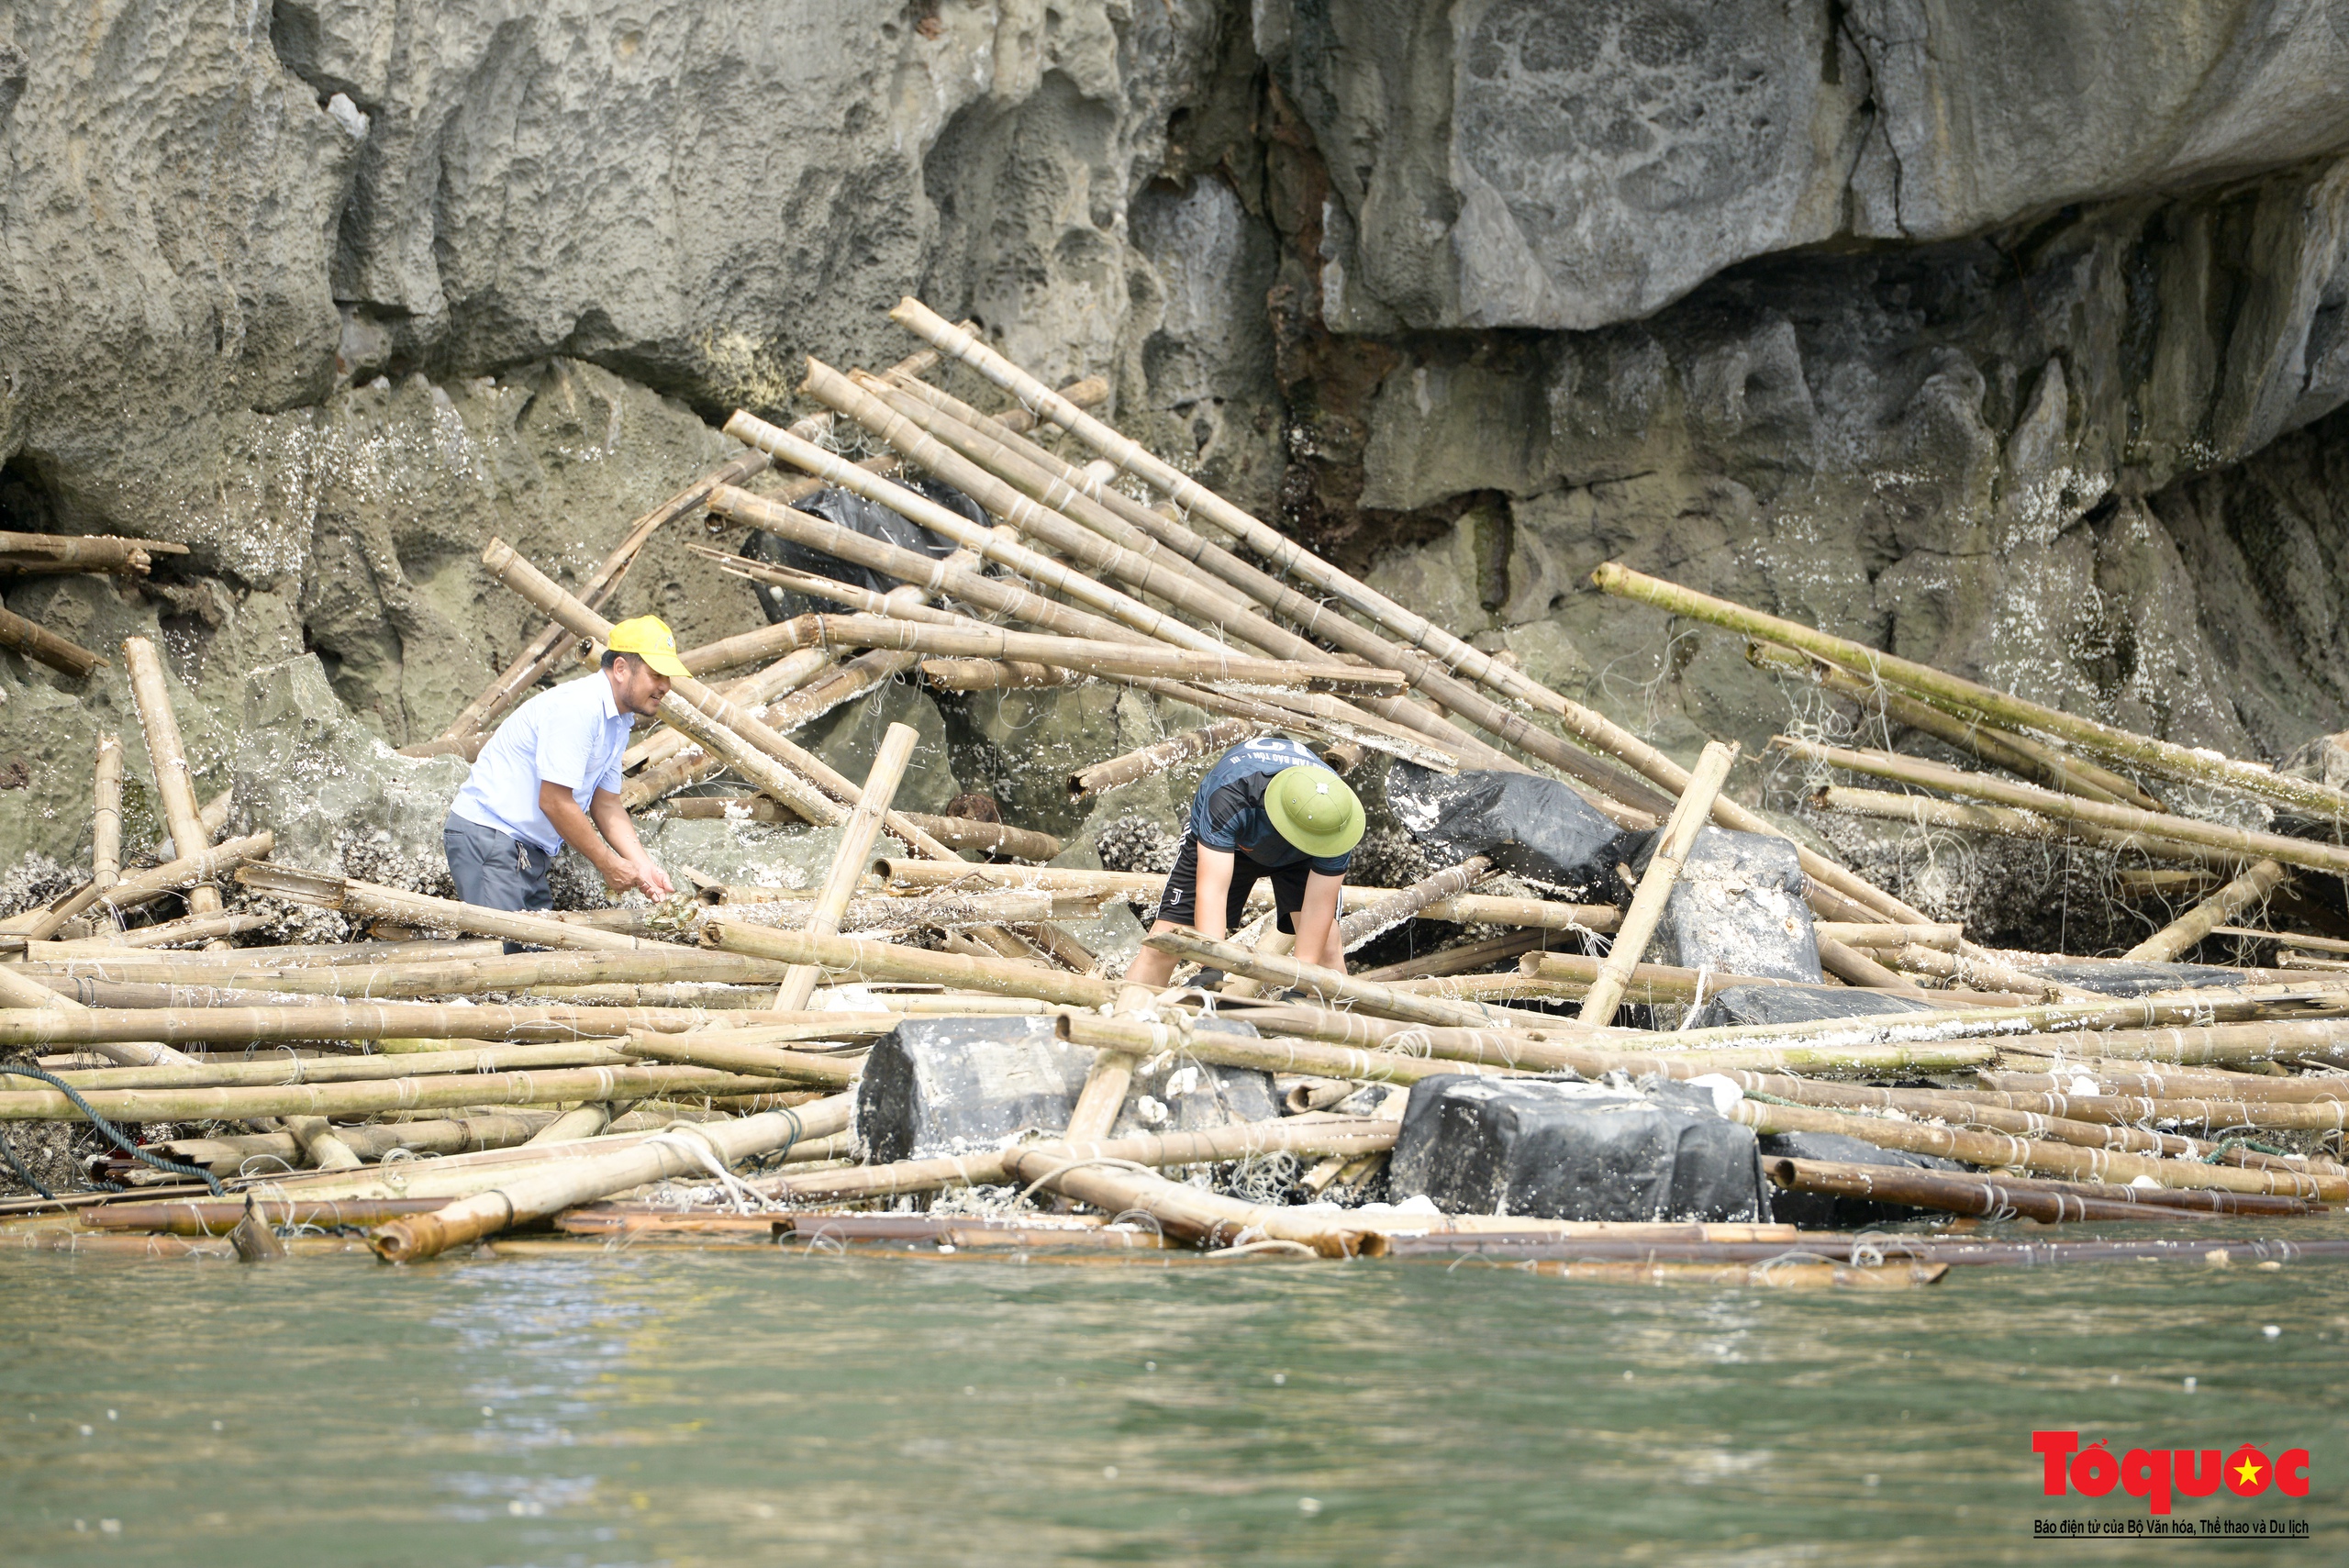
[550,776]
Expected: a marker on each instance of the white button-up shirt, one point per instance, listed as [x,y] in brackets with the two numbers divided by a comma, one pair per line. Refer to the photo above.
[574,736]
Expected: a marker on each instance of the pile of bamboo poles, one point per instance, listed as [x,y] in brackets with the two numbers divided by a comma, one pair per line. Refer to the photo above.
[718,1041]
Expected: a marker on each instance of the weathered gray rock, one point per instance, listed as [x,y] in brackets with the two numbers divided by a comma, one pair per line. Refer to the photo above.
[337,798]
[1517,163]
[1737,908]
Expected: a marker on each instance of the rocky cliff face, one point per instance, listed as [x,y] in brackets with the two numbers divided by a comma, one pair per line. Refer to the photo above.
[2010,338]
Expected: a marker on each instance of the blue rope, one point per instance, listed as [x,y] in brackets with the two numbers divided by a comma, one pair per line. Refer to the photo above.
[113,1134]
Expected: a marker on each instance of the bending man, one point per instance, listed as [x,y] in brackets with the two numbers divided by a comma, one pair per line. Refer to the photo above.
[550,776]
[1268,809]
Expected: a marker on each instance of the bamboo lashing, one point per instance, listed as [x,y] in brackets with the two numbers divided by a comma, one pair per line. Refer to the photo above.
[171,875]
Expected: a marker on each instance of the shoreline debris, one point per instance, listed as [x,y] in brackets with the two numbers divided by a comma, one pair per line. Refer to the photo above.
[1658,1014]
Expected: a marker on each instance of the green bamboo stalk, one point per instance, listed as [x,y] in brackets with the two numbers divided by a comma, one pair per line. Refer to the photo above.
[2166,759]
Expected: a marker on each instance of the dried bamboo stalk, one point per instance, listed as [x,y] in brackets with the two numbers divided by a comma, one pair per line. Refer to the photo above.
[367,901]
[2243,842]
[2308,1115]
[531,1194]
[1963,1110]
[2245,891]
[996,675]
[1467,958]
[2162,758]
[760,1060]
[1953,1192]
[64,1025]
[163,878]
[441,1091]
[1375,921]
[1647,911]
[272,1071]
[2001,1150]
[1093,658]
[1332,988]
[1161,755]
[163,933]
[882,961]
[646,963]
[857,834]
[174,788]
[39,643]
[1300,1135]
[105,822]
[1931,811]
[322,1149]
[1943,935]
[1574,974]
[212,817]
[82,552]
[1543,1053]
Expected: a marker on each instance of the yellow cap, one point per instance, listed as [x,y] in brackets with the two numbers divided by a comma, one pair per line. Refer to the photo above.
[649,638]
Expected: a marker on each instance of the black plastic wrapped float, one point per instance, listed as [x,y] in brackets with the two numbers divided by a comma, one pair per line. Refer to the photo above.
[1566,1150]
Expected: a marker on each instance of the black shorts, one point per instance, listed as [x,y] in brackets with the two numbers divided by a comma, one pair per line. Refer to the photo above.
[1180,902]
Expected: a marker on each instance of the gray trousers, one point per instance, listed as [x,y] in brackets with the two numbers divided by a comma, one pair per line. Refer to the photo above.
[495,870]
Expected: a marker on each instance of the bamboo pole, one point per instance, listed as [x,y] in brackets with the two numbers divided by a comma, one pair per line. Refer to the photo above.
[63,1024]
[2001,1150]
[1955,1191]
[2308,1115]
[1574,974]
[956,832]
[1972,1111]
[1375,921]
[1978,967]
[2163,758]
[1931,811]
[1999,748]
[1539,1052]
[532,1195]
[648,962]
[1942,935]
[2244,842]
[82,552]
[163,878]
[34,1000]
[441,1091]
[1286,555]
[367,901]
[39,643]
[322,1149]
[758,1061]
[174,788]
[2284,939]
[271,1072]
[1465,959]
[105,823]
[1646,912]
[2245,891]
[1160,756]
[757,691]
[996,675]
[1093,658]
[186,929]
[883,961]
[572,1126]
[1333,989]
[1298,1135]
[857,834]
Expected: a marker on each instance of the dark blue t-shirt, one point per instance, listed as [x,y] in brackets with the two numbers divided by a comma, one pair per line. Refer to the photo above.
[1229,811]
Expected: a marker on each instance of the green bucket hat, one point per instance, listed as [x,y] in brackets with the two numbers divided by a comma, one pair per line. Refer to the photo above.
[1313,809]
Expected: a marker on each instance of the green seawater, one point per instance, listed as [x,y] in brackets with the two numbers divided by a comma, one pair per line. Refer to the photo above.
[755,1405]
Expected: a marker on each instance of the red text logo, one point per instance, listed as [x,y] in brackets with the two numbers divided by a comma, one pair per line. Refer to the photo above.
[2159,1474]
